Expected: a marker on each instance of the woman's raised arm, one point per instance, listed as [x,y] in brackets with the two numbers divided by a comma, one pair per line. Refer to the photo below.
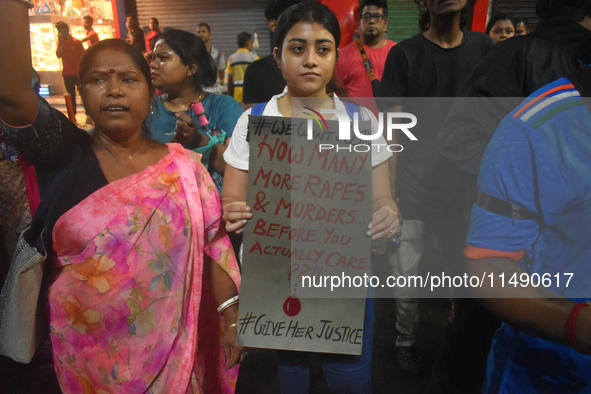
[18,101]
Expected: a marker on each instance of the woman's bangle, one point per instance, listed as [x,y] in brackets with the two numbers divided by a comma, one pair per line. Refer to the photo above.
[228,303]
[232,325]
[571,333]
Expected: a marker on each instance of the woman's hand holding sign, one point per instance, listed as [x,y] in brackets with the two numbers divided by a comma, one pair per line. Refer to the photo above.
[385,223]
[235,211]
[236,214]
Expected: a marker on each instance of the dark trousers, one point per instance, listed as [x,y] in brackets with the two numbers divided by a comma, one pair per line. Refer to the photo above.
[343,373]
[71,82]
[460,365]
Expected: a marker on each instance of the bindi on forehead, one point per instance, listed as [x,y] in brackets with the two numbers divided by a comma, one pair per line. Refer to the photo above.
[114,71]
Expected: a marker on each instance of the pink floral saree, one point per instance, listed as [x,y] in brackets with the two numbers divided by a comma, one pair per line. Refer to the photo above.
[131,309]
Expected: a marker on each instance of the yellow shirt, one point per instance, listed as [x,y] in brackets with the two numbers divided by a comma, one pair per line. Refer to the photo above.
[237,64]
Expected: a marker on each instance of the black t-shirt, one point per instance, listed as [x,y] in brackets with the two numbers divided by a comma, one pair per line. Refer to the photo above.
[418,68]
[512,68]
[262,80]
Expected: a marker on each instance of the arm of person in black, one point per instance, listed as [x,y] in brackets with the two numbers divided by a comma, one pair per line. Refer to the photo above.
[509,72]
[392,88]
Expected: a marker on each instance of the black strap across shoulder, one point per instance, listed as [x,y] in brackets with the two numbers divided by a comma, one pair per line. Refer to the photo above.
[582,81]
[503,208]
[366,61]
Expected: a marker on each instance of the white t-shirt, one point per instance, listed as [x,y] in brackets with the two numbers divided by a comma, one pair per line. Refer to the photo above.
[237,154]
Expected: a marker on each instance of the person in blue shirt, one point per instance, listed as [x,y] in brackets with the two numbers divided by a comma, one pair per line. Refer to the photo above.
[529,235]
[181,68]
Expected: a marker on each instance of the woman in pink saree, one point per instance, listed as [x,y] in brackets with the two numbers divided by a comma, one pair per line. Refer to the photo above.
[139,256]
[125,306]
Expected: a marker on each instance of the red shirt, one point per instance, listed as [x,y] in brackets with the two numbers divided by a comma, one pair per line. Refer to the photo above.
[71,51]
[151,39]
[352,73]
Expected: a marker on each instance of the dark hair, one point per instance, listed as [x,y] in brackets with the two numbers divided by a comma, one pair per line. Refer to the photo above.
[114,43]
[519,19]
[62,26]
[498,17]
[242,39]
[425,17]
[378,3]
[191,51]
[155,20]
[203,24]
[88,18]
[572,9]
[310,12]
[276,7]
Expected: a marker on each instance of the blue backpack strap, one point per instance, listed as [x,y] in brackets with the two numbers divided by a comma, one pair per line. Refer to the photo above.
[258,109]
[351,109]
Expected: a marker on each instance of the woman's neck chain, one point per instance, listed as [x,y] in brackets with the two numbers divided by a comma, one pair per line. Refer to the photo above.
[183,103]
[125,154]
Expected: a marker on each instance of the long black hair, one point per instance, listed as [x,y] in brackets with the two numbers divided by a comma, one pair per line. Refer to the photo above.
[192,51]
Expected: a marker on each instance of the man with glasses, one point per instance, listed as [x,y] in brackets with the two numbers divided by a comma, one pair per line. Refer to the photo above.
[352,66]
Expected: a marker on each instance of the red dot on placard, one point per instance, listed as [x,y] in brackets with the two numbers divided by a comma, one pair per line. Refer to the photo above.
[292,306]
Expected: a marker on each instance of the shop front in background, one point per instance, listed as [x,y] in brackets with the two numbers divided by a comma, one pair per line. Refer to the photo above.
[44,36]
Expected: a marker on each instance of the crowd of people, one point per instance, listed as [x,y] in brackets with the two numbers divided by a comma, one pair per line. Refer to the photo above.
[144,282]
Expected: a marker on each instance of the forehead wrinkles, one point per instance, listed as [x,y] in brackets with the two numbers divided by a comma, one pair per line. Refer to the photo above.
[113,58]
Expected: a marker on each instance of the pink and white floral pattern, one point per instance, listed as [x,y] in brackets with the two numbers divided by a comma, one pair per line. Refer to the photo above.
[127,303]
